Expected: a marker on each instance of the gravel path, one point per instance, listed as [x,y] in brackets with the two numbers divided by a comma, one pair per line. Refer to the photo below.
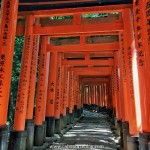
[92,132]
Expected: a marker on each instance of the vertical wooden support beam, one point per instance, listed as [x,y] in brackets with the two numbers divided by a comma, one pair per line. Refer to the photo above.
[51,95]
[75,95]
[66,94]
[66,90]
[32,84]
[23,88]
[116,73]
[40,94]
[100,93]
[8,23]
[129,44]
[33,71]
[71,95]
[123,77]
[123,80]
[62,116]
[96,95]
[141,11]
[113,93]
[58,97]
[90,95]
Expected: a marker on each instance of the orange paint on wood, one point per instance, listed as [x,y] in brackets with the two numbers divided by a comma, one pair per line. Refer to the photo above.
[42,84]
[33,73]
[7,37]
[23,88]
[66,90]
[52,85]
[84,48]
[129,45]
[141,26]
[58,93]
[62,88]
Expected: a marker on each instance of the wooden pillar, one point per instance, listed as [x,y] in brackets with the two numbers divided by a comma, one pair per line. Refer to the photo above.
[66,90]
[51,95]
[46,85]
[8,21]
[62,93]
[71,92]
[116,73]
[58,97]
[33,71]
[129,46]
[90,95]
[23,88]
[75,95]
[123,78]
[40,94]
[31,95]
[141,11]
[96,94]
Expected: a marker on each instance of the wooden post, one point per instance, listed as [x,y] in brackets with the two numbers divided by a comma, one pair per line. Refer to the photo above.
[40,95]
[141,11]
[129,46]
[58,98]
[32,85]
[8,22]
[23,88]
[51,95]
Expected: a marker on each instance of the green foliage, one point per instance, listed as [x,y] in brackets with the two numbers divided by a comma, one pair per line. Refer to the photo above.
[16,62]
[101,15]
[61,17]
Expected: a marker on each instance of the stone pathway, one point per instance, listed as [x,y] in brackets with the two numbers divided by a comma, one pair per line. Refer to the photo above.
[92,132]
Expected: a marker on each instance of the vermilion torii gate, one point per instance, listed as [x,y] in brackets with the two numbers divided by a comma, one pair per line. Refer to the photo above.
[62,81]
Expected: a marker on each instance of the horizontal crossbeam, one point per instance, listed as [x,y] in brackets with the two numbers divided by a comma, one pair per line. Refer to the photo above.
[71,11]
[78,29]
[84,47]
[108,62]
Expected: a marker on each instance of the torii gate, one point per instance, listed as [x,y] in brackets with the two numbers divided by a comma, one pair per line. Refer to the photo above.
[123,85]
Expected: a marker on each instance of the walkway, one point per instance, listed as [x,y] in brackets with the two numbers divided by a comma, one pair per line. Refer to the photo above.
[91,132]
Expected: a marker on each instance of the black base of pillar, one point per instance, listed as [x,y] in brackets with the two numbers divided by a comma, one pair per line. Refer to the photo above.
[17,140]
[65,121]
[91,107]
[100,109]
[39,135]
[57,126]
[119,127]
[81,111]
[85,106]
[75,111]
[71,118]
[50,126]
[144,138]
[44,126]
[78,113]
[104,109]
[68,116]
[96,108]
[4,135]
[62,121]
[125,130]
[29,127]
[132,143]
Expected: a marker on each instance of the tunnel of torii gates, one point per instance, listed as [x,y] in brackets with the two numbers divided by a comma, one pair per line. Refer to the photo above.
[82,62]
